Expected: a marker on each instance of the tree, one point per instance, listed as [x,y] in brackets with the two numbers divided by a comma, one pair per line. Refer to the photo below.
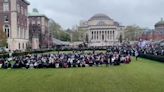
[3,38]
[79,35]
[64,36]
[58,32]
[83,35]
[55,29]
[133,32]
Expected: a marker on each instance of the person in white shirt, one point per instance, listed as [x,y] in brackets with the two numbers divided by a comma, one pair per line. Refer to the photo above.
[136,55]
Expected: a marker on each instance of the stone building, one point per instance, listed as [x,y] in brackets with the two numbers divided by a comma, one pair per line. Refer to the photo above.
[157,34]
[13,20]
[40,37]
[102,30]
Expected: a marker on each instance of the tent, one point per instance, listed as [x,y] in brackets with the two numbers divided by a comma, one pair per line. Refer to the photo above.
[58,42]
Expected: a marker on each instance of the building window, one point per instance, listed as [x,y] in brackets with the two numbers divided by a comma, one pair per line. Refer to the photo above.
[6,18]
[18,32]
[32,22]
[26,45]
[7,46]
[113,35]
[7,30]
[24,34]
[21,33]
[25,12]
[18,8]
[19,46]
[5,1]
[5,6]
[38,22]
[22,10]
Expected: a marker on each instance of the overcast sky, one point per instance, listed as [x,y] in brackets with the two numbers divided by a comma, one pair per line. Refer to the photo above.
[68,13]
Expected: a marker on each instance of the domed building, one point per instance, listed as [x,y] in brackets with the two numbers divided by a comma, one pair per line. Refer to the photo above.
[156,34]
[103,30]
[159,30]
[159,25]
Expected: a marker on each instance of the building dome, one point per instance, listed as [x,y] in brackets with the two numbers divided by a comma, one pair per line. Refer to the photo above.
[160,23]
[100,17]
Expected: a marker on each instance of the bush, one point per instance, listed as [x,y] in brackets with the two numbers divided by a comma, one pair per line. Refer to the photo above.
[5,55]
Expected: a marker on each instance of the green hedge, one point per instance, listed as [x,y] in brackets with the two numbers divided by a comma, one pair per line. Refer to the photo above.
[5,55]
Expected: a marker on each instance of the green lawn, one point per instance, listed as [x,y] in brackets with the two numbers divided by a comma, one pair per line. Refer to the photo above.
[139,76]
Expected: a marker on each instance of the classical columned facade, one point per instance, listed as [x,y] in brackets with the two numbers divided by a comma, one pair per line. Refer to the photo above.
[102,36]
[103,31]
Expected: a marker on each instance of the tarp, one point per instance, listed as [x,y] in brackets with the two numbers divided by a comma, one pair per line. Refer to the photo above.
[59,42]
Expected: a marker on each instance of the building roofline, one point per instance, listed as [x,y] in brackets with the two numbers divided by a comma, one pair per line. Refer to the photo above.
[27,2]
[38,16]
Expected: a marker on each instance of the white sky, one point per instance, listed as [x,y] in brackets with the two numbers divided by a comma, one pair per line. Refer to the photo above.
[68,13]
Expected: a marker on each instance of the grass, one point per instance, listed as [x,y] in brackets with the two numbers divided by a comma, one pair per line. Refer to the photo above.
[139,76]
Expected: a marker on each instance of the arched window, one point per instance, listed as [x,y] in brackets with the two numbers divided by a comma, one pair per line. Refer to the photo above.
[7,30]
[6,18]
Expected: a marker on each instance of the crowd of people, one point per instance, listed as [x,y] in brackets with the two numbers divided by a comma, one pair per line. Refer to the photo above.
[152,50]
[115,55]
[71,60]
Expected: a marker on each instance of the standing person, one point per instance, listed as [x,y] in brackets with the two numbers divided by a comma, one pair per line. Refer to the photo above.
[1,63]
[110,58]
[136,55]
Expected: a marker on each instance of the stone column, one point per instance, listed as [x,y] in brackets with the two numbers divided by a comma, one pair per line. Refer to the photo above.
[104,35]
[94,35]
[91,34]
[99,35]
[110,35]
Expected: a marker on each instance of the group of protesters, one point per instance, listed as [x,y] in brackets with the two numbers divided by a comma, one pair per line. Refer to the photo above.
[152,50]
[113,57]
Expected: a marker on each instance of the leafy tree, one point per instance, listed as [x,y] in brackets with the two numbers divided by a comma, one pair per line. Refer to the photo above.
[79,35]
[64,36]
[133,32]
[57,31]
